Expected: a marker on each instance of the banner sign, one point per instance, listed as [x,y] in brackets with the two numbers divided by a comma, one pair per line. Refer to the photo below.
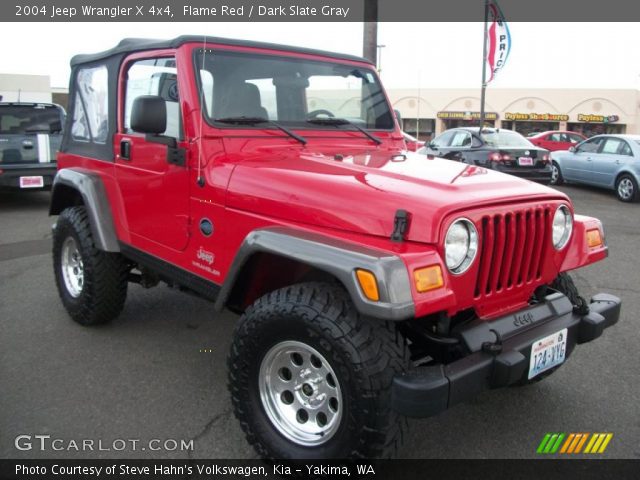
[498,41]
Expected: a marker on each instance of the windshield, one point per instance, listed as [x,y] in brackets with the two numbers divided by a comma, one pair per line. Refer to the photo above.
[289,90]
[505,138]
[22,119]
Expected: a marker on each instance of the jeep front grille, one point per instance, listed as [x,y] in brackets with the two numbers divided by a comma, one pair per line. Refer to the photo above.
[512,250]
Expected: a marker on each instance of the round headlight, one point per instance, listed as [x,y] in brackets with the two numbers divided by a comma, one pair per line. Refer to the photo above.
[460,245]
[562,227]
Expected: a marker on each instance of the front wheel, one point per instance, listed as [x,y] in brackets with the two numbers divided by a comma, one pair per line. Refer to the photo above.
[627,188]
[92,283]
[311,379]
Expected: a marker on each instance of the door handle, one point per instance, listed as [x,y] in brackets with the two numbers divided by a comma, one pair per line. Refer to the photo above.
[125,149]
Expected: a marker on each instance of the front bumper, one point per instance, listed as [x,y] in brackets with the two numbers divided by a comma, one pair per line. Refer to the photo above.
[11,173]
[427,391]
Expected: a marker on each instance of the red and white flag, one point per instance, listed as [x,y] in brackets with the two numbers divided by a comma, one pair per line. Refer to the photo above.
[498,41]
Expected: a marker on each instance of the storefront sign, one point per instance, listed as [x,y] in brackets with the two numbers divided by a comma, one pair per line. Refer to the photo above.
[590,118]
[466,115]
[541,117]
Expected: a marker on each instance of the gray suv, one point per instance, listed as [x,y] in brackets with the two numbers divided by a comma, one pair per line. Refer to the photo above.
[30,136]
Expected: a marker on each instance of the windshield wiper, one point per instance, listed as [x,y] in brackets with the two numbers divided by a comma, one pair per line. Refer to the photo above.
[256,120]
[344,121]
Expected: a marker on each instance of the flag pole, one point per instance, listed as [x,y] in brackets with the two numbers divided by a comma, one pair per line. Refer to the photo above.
[484,65]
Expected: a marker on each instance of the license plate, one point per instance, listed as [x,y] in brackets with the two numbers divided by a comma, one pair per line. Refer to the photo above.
[525,161]
[547,352]
[31,182]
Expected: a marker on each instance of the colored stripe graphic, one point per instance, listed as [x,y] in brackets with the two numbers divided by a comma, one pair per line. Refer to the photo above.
[598,443]
[573,443]
[550,443]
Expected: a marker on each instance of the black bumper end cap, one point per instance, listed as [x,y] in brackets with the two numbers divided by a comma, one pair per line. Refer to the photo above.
[421,394]
[604,311]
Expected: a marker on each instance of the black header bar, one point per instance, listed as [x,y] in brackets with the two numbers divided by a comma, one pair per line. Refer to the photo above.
[317,11]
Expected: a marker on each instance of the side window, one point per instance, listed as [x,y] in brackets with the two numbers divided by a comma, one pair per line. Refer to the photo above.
[554,137]
[443,140]
[611,146]
[461,139]
[575,139]
[157,76]
[625,149]
[590,146]
[91,113]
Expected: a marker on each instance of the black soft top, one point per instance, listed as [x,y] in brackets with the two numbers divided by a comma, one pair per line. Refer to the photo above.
[129,45]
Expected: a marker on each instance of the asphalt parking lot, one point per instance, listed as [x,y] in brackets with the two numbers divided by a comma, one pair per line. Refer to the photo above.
[159,371]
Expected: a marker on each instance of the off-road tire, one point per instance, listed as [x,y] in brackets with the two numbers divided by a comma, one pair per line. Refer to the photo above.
[635,193]
[559,179]
[365,354]
[104,290]
[564,284]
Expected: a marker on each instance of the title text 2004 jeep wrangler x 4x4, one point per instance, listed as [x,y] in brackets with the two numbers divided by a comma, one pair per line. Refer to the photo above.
[373,283]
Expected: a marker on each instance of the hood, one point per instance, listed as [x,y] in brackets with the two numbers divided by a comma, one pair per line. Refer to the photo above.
[360,192]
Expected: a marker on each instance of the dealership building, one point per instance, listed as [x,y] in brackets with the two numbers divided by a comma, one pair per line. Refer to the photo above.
[428,112]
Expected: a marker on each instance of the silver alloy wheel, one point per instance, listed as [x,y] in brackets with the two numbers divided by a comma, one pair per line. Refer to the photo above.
[625,188]
[554,173]
[72,267]
[300,393]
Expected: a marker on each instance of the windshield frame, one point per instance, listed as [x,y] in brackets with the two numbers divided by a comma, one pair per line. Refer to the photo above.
[303,124]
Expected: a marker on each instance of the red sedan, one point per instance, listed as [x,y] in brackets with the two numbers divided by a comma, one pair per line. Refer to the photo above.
[556,140]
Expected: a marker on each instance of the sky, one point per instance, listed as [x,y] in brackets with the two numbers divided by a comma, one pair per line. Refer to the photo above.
[428,55]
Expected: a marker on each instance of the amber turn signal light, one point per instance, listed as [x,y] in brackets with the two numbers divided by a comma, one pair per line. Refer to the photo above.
[368,284]
[594,239]
[428,278]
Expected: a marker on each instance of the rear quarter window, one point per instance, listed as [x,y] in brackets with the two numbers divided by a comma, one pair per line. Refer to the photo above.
[91,112]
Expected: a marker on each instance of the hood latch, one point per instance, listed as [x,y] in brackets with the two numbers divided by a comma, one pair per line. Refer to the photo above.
[400,225]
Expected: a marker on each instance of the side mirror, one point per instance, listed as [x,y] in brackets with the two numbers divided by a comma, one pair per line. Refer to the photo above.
[432,146]
[399,117]
[572,149]
[149,115]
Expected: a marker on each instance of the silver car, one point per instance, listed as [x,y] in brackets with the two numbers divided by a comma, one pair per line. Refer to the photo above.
[609,161]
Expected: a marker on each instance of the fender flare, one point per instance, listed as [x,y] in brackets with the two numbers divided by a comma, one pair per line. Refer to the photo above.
[338,258]
[95,200]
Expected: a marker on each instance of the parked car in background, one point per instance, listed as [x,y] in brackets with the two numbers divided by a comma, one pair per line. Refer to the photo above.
[608,161]
[555,140]
[503,150]
[30,136]
[413,144]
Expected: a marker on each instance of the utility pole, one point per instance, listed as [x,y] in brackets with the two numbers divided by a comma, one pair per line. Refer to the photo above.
[370,33]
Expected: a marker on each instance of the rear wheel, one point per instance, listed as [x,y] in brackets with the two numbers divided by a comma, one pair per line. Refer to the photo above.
[311,379]
[92,284]
[556,174]
[627,188]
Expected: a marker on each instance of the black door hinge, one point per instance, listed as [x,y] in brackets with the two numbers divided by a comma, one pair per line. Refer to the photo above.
[177,156]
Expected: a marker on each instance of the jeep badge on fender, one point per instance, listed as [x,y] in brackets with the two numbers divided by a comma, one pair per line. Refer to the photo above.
[372,283]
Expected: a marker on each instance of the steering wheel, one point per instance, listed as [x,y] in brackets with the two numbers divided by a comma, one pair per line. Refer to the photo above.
[320,111]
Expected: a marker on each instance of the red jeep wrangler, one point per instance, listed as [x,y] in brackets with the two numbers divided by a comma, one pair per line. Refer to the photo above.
[373,283]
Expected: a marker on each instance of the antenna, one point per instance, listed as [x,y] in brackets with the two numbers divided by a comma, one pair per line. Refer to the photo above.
[200,179]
